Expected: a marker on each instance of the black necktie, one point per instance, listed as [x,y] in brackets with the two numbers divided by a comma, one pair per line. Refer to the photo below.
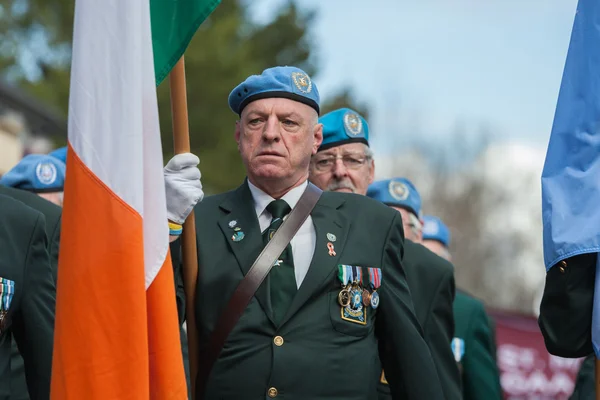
[282,276]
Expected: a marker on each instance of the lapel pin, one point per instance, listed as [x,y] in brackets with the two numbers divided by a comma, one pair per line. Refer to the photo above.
[238,236]
[331,237]
[277,263]
[331,249]
[232,223]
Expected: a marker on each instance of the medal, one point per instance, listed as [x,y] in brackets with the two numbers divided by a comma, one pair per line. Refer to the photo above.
[375,280]
[7,290]
[366,297]
[375,299]
[344,297]
[344,275]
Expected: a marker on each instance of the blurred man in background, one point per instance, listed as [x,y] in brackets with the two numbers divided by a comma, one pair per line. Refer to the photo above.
[344,163]
[473,344]
[40,174]
[430,278]
[25,184]
[27,298]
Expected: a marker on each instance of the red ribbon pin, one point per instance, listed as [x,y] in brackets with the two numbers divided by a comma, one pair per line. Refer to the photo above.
[331,250]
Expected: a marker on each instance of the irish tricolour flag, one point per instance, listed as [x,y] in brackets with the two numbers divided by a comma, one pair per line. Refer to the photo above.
[116,333]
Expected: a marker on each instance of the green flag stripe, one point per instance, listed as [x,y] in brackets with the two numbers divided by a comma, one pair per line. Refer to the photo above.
[174,23]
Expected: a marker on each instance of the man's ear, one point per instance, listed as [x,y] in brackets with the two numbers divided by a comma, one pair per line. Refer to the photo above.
[318,138]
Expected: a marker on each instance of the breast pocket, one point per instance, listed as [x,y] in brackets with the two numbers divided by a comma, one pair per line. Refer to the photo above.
[350,304]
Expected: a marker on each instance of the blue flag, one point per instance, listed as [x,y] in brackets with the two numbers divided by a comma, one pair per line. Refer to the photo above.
[571,175]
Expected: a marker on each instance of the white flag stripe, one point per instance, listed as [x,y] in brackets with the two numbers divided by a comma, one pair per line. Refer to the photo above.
[113,114]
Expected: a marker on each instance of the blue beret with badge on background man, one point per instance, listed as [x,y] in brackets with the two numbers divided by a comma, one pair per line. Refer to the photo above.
[401,195]
[436,236]
[38,173]
[298,323]
[344,162]
[430,279]
[473,344]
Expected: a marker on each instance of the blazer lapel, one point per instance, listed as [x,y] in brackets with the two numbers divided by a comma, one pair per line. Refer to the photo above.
[240,213]
[328,221]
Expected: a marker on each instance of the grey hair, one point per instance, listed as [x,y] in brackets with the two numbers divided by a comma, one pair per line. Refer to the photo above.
[368,152]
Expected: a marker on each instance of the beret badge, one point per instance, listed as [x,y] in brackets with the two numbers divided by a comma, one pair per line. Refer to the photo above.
[398,190]
[302,82]
[353,123]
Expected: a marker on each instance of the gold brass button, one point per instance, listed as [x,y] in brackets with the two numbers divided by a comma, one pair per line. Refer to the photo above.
[563,266]
[272,393]
[278,340]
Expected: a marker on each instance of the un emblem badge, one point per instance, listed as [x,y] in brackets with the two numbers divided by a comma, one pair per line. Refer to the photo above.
[353,124]
[398,190]
[46,173]
[302,82]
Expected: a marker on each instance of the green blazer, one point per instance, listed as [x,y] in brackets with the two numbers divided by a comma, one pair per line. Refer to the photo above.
[24,260]
[566,309]
[314,353]
[480,376]
[52,214]
[431,282]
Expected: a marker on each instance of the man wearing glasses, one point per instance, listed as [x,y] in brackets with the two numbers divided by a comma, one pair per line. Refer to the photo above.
[344,163]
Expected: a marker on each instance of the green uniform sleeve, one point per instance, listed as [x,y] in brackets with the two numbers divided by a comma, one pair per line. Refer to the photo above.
[439,331]
[406,359]
[566,310]
[33,324]
[481,379]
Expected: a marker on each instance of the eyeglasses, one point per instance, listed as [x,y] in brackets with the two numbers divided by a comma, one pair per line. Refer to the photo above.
[350,161]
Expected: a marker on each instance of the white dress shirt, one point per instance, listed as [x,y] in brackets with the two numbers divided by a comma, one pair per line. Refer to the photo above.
[303,242]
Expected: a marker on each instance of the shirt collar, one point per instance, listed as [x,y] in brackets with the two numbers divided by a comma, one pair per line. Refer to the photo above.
[262,199]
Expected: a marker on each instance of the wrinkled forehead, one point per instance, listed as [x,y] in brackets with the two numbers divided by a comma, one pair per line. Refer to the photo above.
[278,106]
[348,148]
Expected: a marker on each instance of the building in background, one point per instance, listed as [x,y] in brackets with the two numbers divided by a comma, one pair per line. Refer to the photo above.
[26,126]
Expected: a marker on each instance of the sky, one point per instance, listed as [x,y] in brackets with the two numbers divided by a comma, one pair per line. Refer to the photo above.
[430,68]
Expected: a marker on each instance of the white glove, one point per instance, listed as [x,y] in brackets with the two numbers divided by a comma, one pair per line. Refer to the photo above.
[182,186]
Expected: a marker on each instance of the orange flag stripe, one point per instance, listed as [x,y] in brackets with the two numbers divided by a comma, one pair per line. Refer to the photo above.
[113,339]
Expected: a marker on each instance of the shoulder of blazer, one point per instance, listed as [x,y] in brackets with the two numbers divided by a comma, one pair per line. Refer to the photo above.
[358,205]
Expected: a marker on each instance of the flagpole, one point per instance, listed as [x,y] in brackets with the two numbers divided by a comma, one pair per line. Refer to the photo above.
[597,375]
[181,144]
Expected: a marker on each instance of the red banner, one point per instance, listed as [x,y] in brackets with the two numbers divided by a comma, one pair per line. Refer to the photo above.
[527,370]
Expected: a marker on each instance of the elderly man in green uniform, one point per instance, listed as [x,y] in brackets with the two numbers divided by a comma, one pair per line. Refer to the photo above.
[298,337]
[473,343]
[430,278]
[33,177]
[344,163]
[27,297]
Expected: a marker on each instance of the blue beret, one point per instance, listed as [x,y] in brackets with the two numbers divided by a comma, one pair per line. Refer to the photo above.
[287,82]
[343,126]
[397,192]
[36,173]
[60,153]
[434,229]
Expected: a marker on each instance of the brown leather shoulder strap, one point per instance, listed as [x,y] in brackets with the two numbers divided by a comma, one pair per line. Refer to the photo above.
[253,279]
